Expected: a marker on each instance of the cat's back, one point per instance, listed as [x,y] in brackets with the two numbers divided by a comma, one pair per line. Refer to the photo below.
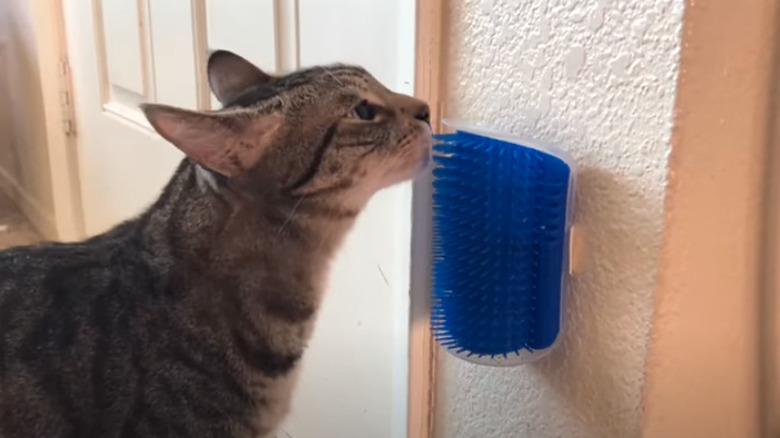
[54,301]
[28,264]
[101,339]
[54,270]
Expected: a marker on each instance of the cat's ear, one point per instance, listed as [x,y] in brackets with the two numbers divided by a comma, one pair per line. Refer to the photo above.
[230,74]
[227,143]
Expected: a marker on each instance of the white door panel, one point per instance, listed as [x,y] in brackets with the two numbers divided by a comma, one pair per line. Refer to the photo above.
[123,45]
[245,27]
[378,34]
[173,69]
[124,52]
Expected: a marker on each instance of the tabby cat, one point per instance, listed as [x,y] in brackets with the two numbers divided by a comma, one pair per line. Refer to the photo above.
[190,320]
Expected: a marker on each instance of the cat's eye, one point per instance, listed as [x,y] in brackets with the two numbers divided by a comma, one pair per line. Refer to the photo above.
[364,111]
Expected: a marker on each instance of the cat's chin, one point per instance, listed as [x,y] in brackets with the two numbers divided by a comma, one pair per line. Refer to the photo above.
[426,144]
[414,165]
[425,161]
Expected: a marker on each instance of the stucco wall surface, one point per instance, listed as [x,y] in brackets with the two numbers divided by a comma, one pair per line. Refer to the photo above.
[597,78]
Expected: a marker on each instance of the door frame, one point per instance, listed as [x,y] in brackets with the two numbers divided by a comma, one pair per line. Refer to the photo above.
[61,140]
[429,55]
[62,147]
[769,299]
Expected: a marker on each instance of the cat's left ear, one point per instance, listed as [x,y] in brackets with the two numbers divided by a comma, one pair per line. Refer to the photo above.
[227,143]
[229,75]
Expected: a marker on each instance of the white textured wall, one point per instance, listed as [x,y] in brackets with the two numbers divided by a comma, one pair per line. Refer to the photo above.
[598,78]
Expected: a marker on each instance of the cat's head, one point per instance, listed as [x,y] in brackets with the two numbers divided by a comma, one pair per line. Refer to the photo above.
[331,130]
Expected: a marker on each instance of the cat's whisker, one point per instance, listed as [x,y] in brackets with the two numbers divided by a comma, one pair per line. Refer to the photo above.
[291,215]
[382,273]
[283,101]
[356,144]
[330,73]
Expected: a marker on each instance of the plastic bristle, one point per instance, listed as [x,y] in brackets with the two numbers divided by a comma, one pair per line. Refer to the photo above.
[498,240]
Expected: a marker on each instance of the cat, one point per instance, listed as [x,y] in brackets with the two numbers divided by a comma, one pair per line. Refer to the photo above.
[191,319]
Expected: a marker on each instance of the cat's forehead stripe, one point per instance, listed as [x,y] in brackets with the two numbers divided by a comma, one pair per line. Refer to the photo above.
[339,73]
[253,97]
[353,76]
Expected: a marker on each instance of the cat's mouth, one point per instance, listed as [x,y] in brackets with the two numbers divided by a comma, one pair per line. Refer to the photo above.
[414,157]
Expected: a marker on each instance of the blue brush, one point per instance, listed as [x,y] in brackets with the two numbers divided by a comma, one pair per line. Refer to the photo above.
[501,222]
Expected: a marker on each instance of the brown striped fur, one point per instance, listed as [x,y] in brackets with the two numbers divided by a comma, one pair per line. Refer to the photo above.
[190,319]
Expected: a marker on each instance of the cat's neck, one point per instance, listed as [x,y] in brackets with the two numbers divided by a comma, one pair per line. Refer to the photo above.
[200,222]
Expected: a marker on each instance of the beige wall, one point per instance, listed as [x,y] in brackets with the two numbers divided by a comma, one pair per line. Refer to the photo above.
[24,160]
[597,78]
[703,371]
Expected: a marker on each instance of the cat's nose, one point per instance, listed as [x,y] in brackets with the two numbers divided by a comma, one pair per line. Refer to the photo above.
[419,110]
[423,112]
[414,107]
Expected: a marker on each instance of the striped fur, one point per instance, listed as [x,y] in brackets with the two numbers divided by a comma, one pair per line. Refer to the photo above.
[190,320]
